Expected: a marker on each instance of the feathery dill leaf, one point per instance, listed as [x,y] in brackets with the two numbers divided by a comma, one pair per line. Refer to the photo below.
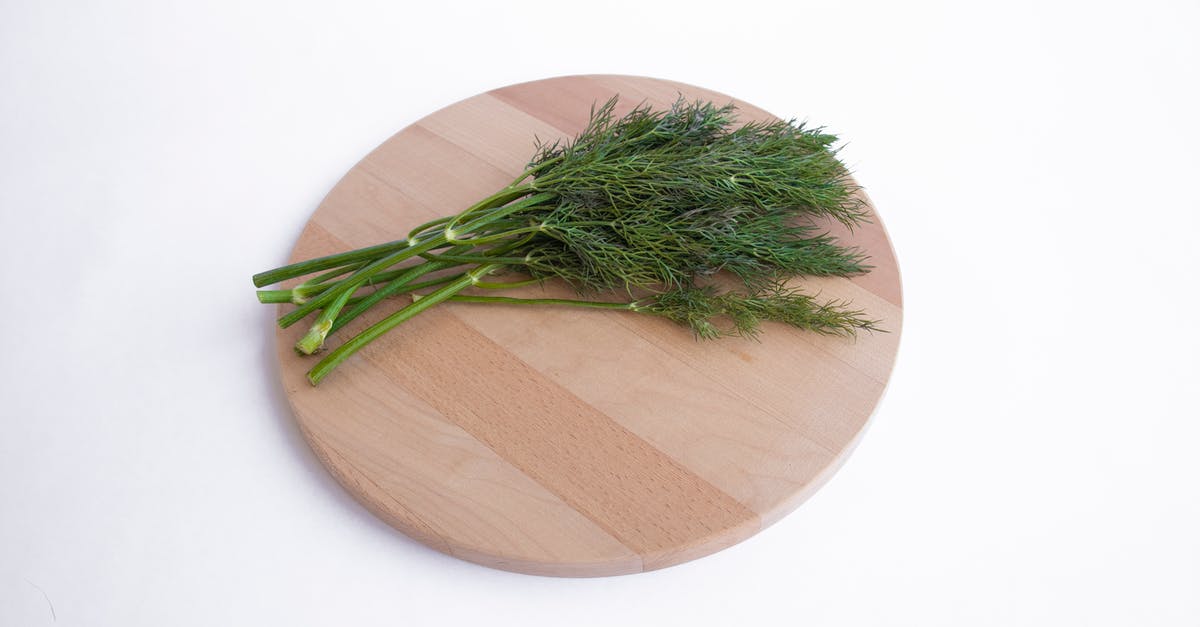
[705,310]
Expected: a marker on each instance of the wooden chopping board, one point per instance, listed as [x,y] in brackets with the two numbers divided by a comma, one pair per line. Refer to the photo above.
[563,441]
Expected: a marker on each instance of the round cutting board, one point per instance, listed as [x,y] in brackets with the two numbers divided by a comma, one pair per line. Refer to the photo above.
[563,441]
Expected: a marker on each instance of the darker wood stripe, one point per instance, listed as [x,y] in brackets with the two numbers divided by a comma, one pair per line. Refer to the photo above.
[644,498]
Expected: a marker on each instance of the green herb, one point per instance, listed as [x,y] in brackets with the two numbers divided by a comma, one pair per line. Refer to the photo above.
[652,205]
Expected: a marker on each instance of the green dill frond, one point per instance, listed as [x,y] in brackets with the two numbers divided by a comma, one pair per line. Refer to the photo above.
[645,247]
[711,314]
[606,136]
[692,156]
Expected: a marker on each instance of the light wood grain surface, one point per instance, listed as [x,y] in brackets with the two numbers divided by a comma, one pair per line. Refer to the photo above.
[561,441]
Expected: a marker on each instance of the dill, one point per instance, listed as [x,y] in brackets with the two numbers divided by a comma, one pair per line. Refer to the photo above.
[653,206]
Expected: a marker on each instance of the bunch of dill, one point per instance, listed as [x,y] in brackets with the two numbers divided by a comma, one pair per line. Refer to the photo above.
[651,205]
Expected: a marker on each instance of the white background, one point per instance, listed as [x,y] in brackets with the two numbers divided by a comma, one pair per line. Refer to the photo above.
[1034,462]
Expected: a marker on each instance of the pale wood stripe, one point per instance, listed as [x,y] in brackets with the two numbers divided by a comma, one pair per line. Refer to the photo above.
[509,133]
[438,177]
[381,502]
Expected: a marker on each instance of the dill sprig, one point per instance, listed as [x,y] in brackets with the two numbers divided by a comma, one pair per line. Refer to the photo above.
[712,314]
[704,310]
[653,204]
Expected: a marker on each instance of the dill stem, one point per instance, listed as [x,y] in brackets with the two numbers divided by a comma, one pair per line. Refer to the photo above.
[354,344]
[473,258]
[386,277]
[282,273]
[503,285]
[291,271]
[315,338]
[503,235]
[633,306]
[411,287]
[322,278]
[270,297]
[299,295]
[362,275]
[431,283]
[351,283]
[420,229]
[403,281]
[396,285]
